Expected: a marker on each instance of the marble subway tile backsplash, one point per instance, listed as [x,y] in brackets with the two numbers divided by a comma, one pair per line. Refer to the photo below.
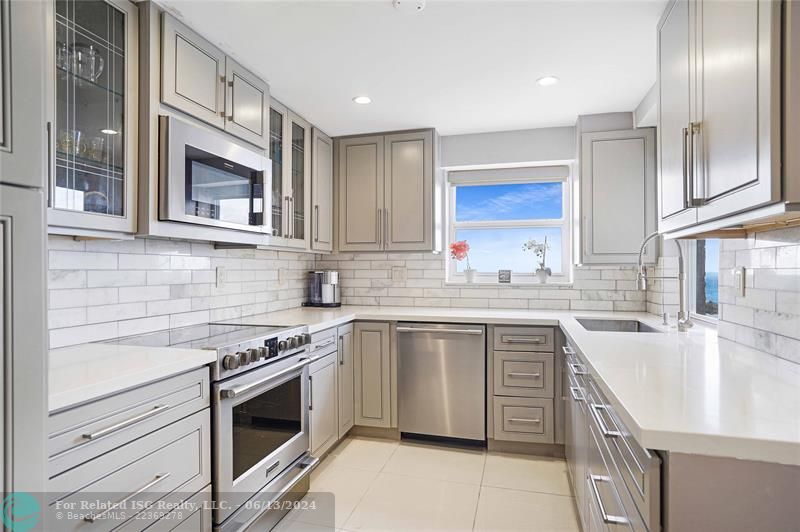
[418,279]
[104,289]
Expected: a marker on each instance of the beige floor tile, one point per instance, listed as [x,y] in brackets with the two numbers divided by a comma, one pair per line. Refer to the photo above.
[335,492]
[530,473]
[402,503]
[291,524]
[506,510]
[363,453]
[437,463]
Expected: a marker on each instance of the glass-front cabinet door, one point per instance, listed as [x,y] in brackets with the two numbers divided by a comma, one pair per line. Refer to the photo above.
[277,123]
[94,133]
[300,172]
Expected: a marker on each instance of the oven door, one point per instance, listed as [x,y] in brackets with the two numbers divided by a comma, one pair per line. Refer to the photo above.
[261,426]
[206,178]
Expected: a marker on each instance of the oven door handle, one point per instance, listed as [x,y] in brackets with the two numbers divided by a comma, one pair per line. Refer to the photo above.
[230,393]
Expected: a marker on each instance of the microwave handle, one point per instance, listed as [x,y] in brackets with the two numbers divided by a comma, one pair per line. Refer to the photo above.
[230,393]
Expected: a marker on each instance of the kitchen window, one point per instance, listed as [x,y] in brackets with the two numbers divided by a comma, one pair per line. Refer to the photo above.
[498,211]
[703,279]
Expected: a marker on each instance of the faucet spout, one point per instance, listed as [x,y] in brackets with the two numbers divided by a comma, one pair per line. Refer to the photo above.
[684,322]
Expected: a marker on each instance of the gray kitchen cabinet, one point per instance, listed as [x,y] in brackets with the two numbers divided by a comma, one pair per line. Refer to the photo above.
[193,73]
[94,112]
[408,191]
[372,374]
[321,192]
[23,87]
[360,189]
[618,193]
[345,379]
[200,80]
[322,405]
[720,119]
[576,430]
[386,188]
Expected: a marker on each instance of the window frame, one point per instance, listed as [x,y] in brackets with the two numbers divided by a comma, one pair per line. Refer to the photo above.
[690,253]
[517,278]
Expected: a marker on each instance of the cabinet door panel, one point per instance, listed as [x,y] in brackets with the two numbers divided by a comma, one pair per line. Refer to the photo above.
[618,194]
[674,97]
[345,380]
[322,192]
[324,425]
[372,375]
[360,182]
[738,95]
[192,73]
[246,102]
[409,188]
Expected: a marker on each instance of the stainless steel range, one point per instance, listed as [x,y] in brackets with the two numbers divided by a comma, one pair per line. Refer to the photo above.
[260,412]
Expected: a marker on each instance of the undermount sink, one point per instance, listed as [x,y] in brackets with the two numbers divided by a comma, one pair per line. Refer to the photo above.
[599,324]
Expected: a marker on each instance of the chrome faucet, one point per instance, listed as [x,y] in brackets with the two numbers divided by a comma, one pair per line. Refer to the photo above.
[684,322]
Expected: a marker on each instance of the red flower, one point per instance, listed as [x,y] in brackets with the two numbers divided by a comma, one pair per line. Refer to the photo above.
[459,250]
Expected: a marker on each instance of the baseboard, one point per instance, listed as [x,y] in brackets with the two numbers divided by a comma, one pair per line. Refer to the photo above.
[376,432]
[551,450]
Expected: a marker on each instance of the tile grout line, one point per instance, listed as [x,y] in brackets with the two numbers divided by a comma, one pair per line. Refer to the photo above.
[369,486]
[480,490]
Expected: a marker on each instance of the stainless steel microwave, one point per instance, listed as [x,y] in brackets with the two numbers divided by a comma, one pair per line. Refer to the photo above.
[207,178]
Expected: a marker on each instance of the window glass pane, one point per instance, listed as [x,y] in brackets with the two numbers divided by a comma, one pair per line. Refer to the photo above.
[526,201]
[707,278]
[501,249]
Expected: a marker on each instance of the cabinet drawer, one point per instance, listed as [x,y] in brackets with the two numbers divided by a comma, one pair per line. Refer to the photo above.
[523,374]
[523,419]
[175,458]
[80,434]
[523,339]
[193,515]
[323,342]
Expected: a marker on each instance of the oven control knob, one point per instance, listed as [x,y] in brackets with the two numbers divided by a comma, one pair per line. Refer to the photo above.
[291,342]
[306,338]
[252,354]
[301,339]
[282,345]
[243,358]
[230,362]
[263,352]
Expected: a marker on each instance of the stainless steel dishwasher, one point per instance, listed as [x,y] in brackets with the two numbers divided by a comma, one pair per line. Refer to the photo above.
[442,380]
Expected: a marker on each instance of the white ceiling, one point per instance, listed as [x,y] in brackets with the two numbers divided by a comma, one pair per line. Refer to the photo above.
[462,67]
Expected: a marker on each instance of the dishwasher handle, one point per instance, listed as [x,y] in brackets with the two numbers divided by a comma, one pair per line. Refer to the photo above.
[475,332]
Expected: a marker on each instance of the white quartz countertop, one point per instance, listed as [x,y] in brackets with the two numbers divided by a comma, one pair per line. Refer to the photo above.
[678,392]
[85,372]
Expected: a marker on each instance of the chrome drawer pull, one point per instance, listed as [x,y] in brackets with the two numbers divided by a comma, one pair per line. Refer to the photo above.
[577,369]
[573,390]
[520,374]
[522,339]
[441,331]
[523,420]
[95,517]
[567,350]
[127,423]
[608,433]
[326,343]
[608,519]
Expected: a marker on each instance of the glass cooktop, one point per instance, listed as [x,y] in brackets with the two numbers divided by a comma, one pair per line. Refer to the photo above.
[203,336]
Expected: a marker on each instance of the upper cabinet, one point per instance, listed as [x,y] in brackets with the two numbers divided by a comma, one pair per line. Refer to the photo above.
[386,194]
[200,80]
[23,84]
[321,192]
[95,117]
[719,72]
[290,151]
[617,195]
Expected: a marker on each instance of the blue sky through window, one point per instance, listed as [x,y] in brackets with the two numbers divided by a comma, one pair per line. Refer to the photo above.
[526,201]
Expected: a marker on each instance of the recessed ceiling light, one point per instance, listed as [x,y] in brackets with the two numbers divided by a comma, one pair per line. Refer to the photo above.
[547,81]
[363,100]
[109,131]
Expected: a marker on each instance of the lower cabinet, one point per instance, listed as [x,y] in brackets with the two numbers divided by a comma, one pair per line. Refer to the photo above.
[323,405]
[345,380]
[373,375]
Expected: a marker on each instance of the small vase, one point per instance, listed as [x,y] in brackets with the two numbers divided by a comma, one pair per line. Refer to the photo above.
[469,276]
[542,274]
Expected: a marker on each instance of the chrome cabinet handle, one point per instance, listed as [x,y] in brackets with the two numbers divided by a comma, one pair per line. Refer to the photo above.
[608,519]
[341,350]
[386,227]
[127,423]
[521,374]
[230,393]
[567,350]
[523,420]
[608,433]
[311,392]
[522,339]
[445,331]
[51,178]
[573,390]
[324,343]
[316,222]
[95,517]
[692,200]
[685,159]
[380,228]
[577,369]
